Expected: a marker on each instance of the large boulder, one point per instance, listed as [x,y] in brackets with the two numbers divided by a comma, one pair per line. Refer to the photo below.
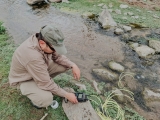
[143,51]
[80,111]
[105,74]
[106,19]
[155,45]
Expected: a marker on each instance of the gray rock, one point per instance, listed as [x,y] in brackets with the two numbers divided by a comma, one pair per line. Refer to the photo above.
[134,45]
[127,28]
[88,15]
[124,18]
[79,84]
[155,45]
[151,97]
[96,87]
[144,51]
[123,6]
[104,7]
[106,19]
[118,11]
[119,95]
[65,1]
[105,74]
[118,31]
[80,111]
[110,5]
[115,66]
[130,13]
[100,5]
[155,16]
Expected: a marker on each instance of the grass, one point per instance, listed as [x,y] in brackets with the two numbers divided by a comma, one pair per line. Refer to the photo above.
[82,6]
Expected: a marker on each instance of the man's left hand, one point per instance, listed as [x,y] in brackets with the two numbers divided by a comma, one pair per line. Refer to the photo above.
[76,72]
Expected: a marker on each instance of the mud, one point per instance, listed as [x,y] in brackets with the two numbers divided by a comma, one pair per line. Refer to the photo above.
[87,44]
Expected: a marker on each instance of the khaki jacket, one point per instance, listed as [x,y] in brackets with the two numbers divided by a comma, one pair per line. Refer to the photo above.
[30,62]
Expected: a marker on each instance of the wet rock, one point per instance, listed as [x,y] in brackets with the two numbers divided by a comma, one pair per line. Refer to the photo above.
[118,31]
[105,74]
[143,51]
[115,66]
[123,6]
[119,95]
[106,19]
[150,95]
[118,11]
[88,15]
[96,87]
[32,2]
[127,28]
[80,111]
[134,45]
[155,45]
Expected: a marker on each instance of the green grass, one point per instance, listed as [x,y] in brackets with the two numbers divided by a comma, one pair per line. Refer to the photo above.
[83,6]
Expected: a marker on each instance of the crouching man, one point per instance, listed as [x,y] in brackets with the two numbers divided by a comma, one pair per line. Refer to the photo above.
[36,61]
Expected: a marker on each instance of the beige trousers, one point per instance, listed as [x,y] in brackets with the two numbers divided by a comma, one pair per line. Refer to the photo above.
[39,97]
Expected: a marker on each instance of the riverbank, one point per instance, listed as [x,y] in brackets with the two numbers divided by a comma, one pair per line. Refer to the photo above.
[137,12]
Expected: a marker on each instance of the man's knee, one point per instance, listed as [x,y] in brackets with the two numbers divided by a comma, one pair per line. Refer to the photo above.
[42,100]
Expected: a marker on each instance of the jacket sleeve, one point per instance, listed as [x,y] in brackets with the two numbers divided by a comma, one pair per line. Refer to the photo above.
[38,71]
[62,60]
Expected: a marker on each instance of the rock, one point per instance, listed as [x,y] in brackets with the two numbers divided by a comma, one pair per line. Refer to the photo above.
[106,20]
[110,10]
[32,2]
[127,28]
[130,13]
[144,51]
[134,45]
[155,16]
[151,98]
[96,87]
[88,15]
[123,6]
[105,74]
[115,66]
[81,86]
[80,111]
[65,1]
[118,11]
[118,31]
[100,5]
[120,96]
[110,5]
[155,45]
[135,17]
[124,18]
[138,10]
[104,7]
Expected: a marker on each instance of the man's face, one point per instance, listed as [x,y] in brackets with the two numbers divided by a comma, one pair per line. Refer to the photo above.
[46,48]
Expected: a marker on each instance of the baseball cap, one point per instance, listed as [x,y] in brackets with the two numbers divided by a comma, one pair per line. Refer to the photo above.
[55,37]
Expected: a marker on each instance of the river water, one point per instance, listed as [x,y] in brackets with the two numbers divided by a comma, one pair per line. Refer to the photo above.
[88,46]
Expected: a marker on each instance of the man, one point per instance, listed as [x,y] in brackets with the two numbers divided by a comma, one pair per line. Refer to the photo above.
[38,59]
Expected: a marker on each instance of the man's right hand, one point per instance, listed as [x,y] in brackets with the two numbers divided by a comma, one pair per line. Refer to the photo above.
[72,98]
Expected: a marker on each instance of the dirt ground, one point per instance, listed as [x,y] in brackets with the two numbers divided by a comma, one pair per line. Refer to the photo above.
[148,4]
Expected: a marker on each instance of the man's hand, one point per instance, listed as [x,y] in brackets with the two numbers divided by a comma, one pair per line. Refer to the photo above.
[76,72]
[72,98]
